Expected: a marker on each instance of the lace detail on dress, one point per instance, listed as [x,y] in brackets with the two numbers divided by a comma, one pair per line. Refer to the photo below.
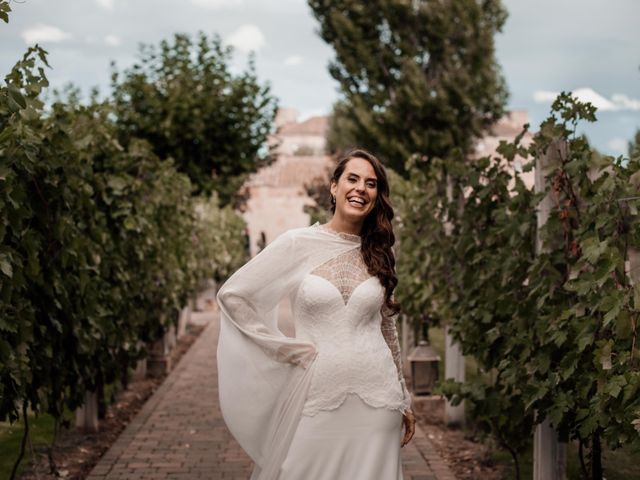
[346,236]
[345,272]
[355,353]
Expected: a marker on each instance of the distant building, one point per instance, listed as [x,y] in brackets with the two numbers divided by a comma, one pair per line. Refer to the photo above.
[306,138]
[277,191]
[507,129]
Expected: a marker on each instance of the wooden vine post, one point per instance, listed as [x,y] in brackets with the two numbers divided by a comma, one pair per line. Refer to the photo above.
[633,257]
[87,414]
[454,369]
[454,365]
[549,454]
[159,358]
[407,343]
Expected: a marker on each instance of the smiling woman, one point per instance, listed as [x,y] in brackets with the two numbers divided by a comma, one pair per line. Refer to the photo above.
[356,187]
[332,400]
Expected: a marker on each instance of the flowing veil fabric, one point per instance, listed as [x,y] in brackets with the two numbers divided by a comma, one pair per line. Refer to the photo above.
[264,376]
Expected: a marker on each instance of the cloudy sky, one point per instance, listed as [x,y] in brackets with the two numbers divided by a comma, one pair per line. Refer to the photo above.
[590,47]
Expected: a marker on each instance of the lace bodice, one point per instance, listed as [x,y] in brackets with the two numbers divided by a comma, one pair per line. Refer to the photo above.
[339,307]
[345,272]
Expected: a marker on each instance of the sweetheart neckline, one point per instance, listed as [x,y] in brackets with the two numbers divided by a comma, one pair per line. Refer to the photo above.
[346,304]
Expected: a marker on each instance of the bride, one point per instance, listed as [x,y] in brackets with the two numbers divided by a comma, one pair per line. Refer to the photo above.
[329,404]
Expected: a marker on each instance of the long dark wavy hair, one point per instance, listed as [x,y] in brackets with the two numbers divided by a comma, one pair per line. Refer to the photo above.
[377,236]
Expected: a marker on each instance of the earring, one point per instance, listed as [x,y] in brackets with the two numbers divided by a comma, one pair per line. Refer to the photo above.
[333,200]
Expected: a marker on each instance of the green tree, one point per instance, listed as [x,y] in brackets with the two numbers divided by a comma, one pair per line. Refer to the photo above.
[417,77]
[318,190]
[183,99]
[100,247]
[556,329]
[4,11]
[342,133]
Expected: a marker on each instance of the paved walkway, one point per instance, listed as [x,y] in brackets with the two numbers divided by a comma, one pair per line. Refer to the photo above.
[180,435]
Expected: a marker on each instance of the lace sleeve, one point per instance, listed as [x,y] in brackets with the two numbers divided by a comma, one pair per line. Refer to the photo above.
[390,334]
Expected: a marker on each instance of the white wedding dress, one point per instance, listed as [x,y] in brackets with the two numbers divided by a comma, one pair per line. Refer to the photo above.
[340,417]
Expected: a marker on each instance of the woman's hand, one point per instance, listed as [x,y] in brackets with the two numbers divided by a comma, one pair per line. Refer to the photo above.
[296,354]
[409,421]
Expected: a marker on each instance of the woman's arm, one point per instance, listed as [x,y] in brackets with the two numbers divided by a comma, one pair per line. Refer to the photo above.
[250,298]
[390,334]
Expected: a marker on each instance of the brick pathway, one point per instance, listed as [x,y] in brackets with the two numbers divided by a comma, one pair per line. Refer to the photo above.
[179,434]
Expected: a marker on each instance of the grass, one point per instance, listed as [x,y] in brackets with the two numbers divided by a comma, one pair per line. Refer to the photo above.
[41,428]
[620,464]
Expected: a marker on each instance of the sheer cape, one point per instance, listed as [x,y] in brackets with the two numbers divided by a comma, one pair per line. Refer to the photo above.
[264,376]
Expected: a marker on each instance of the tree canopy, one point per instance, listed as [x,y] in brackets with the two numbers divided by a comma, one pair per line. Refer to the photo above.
[416,77]
[183,98]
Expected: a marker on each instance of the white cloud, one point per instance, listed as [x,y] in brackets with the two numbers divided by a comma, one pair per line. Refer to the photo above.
[618,145]
[215,4]
[293,60]
[44,33]
[106,4]
[247,38]
[112,41]
[617,102]
[544,96]
[624,102]
[594,98]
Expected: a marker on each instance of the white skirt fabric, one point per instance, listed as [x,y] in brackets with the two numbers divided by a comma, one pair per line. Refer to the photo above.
[353,442]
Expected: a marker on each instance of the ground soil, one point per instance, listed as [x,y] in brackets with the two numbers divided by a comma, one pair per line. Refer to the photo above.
[77,452]
[467,458]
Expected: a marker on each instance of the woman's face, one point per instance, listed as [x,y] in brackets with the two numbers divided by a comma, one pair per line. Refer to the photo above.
[356,190]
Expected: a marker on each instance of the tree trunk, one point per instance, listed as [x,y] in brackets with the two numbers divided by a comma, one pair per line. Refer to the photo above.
[596,456]
[583,466]
[23,443]
[124,372]
[102,404]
